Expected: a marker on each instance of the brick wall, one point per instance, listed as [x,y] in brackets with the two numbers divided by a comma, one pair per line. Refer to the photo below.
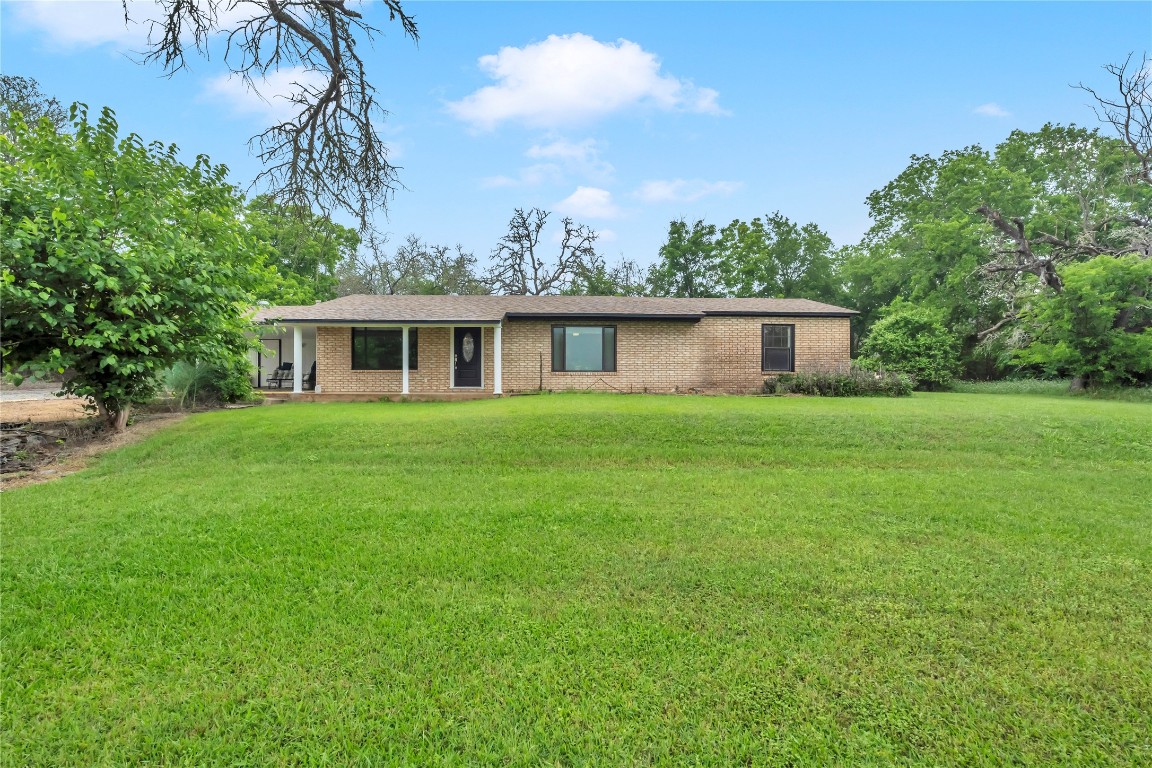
[334,374]
[717,354]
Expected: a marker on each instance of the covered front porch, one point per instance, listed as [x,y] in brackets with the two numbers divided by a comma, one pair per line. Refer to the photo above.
[329,361]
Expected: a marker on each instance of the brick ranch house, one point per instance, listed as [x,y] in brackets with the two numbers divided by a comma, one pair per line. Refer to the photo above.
[444,346]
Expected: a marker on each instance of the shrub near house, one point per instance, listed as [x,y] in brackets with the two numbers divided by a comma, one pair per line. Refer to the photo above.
[912,340]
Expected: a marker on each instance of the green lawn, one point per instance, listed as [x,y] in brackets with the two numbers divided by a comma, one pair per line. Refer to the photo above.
[595,580]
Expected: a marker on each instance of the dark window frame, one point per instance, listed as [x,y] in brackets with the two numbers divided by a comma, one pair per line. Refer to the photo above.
[565,326]
[791,348]
[368,332]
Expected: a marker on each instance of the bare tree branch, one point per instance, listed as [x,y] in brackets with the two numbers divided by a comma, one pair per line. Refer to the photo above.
[23,94]
[374,270]
[518,268]
[1008,319]
[1130,112]
[329,155]
[1025,259]
[414,268]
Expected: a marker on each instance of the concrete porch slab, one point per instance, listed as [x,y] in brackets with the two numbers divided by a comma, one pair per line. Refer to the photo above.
[273,397]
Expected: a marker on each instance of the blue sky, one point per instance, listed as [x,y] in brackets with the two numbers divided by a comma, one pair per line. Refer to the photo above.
[628,115]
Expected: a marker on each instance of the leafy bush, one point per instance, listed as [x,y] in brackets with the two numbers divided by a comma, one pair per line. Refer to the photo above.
[1099,328]
[855,383]
[209,383]
[912,340]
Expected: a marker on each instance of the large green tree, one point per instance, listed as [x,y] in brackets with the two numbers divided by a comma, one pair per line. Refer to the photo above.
[975,235]
[689,264]
[1098,327]
[119,260]
[776,257]
[928,242]
[1075,269]
[306,249]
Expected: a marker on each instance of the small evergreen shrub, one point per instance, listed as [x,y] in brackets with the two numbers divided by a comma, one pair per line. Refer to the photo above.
[855,382]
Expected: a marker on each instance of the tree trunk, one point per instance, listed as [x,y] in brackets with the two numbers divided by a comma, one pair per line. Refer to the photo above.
[120,423]
[1079,384]
[116,417]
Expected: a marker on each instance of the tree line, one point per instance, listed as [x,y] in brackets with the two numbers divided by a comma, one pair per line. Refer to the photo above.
[119,259]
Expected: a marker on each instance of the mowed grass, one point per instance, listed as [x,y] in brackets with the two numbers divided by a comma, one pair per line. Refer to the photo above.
[593,580]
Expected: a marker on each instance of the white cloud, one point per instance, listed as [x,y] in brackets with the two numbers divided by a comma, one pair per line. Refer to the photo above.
[683,190]
[583,158]
[606,236]
[569,78]
[529,176]
[563,159]
[270,100]
[992,109]
[565,150]
[71,24]
[86,24]
[589,203]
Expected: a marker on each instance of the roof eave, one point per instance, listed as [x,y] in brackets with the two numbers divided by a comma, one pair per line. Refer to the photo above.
[689,318]
[385,321]
[776,313]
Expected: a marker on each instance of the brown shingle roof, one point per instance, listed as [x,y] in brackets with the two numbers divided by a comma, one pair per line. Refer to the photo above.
[491,309]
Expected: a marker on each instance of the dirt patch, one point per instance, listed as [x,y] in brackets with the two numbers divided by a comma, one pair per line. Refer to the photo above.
[56,409]
[42,450]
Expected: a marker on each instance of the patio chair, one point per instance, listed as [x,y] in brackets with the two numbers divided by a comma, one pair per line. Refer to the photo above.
[282,374]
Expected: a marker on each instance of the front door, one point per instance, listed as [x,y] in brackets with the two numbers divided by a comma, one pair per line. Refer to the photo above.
[467,357]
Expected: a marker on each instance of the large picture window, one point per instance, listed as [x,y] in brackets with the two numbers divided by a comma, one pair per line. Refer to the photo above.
[779,348]
[382,349]
[584,348]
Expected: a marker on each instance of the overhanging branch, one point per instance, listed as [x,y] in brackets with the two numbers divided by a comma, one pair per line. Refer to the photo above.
[330,154]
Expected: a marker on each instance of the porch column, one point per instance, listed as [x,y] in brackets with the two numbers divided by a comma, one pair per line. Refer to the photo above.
[404,358]
[297,360]
[497,360]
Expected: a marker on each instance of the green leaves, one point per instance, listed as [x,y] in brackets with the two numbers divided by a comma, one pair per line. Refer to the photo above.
[912,340]
[767,257]
[688,265]
[1099,328]
[302,254]
[119,259]
[775,257]
[1069,191]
